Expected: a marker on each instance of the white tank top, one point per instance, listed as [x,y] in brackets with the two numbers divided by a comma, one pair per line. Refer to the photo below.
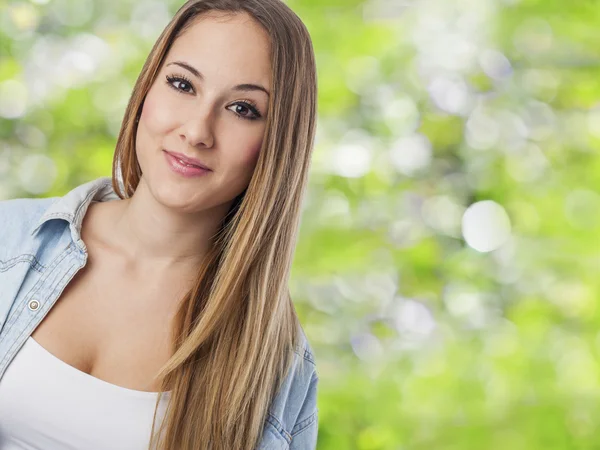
[46,404]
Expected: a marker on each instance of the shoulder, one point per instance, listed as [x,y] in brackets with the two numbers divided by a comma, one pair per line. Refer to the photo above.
[304,349]
[294,411]
[15,211]
[19,216]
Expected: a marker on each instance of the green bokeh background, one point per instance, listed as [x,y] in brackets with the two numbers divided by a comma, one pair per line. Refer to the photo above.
[447,272]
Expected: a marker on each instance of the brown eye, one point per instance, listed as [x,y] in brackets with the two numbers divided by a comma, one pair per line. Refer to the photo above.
[182,81]
[246,110]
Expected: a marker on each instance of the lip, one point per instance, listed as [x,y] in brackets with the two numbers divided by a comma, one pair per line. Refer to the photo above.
[182,169]
[188,159]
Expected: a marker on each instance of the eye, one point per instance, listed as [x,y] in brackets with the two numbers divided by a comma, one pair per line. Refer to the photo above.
[182,80]
[246,109]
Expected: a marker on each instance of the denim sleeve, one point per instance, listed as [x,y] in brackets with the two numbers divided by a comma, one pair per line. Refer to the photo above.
[304,433]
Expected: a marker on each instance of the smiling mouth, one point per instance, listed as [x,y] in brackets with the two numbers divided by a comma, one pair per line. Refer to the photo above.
[183,168]
[187,161]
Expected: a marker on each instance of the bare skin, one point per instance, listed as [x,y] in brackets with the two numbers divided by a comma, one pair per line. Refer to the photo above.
[110,321]
[114,319]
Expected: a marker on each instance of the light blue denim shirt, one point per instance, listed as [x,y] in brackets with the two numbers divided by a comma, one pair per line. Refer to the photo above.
[41,250]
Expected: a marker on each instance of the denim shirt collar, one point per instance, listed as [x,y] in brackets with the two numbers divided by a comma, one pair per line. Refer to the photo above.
[73,205]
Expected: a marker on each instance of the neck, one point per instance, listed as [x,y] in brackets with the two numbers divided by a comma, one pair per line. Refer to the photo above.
[150,235]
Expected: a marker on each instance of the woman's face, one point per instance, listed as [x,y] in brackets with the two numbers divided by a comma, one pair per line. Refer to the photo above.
[209,102]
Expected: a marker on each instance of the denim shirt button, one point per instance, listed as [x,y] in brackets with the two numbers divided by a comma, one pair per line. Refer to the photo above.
[33,305]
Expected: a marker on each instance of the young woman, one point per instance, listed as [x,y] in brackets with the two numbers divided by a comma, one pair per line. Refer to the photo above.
[151,309]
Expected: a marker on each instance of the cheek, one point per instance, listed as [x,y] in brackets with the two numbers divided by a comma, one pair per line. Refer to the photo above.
[156,114]
[253,153]
[244,164]
[251,158]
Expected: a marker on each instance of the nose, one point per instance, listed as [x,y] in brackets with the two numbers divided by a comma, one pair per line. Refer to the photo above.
[198,129]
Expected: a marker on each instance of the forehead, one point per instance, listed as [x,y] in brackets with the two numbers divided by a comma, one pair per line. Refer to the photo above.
[225,48]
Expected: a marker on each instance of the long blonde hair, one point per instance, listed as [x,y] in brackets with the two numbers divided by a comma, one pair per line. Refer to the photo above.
[236,329]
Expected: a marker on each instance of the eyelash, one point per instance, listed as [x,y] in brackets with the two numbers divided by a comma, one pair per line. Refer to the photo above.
[247,103]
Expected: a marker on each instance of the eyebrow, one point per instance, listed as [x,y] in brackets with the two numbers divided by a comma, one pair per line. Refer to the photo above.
[246,87]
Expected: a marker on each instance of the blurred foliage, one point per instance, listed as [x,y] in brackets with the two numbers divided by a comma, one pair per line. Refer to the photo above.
[447,269]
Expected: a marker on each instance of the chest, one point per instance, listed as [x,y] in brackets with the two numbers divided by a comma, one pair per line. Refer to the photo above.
[112,328]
